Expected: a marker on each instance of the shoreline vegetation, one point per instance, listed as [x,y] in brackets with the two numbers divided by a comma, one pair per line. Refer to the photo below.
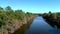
[12,20]
[53,19]
[24,28]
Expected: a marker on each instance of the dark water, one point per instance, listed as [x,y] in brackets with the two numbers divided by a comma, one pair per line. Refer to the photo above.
[39,26]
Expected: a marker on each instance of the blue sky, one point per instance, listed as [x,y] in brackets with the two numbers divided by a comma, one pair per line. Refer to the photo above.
[34,6]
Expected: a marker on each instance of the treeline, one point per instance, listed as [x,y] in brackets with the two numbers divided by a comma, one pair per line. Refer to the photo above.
[52,18]
[11,19]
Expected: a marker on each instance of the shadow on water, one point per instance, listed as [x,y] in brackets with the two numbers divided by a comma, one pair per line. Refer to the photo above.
[38,26]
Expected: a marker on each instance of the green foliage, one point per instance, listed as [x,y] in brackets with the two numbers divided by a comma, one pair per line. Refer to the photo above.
[28,14]
[19,14]
[50,15]
[3,17]
[9,14]
[8,9]
[58,15]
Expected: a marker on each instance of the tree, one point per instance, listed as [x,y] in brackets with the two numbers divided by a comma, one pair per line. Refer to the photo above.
[3,16]
[1,9]
[19,14]
[8,9]
[49,12]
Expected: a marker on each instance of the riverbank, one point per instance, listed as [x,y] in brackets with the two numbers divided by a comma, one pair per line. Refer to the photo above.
[53,19]
[53,22]
[12,20]
[23,28]
[15,25]
[18,25]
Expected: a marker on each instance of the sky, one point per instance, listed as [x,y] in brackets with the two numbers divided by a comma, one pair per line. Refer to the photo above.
[34,6]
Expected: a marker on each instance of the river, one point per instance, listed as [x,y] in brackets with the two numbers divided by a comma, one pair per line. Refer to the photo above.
[40,26]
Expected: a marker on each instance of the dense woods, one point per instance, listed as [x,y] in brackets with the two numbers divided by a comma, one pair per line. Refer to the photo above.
[10,19]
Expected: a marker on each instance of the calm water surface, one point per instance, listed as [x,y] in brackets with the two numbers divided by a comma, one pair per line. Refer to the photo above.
[40,26]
